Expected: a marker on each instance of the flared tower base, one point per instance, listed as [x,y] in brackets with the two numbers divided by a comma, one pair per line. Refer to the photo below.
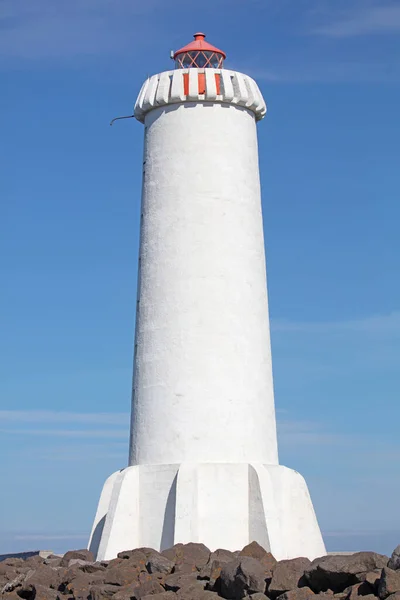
[220,505]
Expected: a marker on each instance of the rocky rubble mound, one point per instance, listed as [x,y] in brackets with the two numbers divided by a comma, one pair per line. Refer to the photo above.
[192,572]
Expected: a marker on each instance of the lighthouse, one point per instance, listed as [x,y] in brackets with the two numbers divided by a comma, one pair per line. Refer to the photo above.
[203,463]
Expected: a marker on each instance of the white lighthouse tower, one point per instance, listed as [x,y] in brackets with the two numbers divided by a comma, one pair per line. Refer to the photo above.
[203,461]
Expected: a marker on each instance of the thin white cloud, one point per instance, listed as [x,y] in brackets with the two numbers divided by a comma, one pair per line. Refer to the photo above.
[70,433]
[361,532]
[51,416]
[40,537]
[307,433]
[379,325]
[329,71]
[364,20]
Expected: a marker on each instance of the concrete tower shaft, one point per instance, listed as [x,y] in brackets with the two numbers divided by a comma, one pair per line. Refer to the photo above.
[203,388]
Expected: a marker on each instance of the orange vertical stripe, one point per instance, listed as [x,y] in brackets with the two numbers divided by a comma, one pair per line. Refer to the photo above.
[202,83]
[186,83]
[218,82]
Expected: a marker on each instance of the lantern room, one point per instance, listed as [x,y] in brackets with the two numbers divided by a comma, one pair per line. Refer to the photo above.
[199,54]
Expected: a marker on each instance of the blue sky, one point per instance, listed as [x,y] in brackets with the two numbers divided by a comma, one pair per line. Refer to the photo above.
[70,189]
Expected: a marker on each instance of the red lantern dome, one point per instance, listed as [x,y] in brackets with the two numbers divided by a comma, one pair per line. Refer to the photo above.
[199,54]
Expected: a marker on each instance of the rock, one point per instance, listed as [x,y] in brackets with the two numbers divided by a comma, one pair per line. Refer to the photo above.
[258,596]
[133,555]
[148,589]
[359,589]
[126,592]
[13,562]
[214,565]
[45,593]
[303,593]
[242,576]
[81,554]
[102,592]
[86,566]
[161,596]
[156,563]
[45,576]
[389,583]
[11,596]
[80,586]
[126,572]
[394,596]
[53,561]
[337,572]
[171,553]
[188,557]
[34,561]
[10,586]
[371,577]
[394,562]
[254,550]
[177,581]
[115,562]
[213,575]
[196,593]
[127,554]
[26,591]
[288,575]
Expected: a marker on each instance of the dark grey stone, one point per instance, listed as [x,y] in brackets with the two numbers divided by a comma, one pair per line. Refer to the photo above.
[156,563]
[337,572]
[394,561]
[288,575]
[389,583]
[242,576]
[81,554]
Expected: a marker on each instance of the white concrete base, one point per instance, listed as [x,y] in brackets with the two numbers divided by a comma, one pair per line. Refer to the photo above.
[221,505]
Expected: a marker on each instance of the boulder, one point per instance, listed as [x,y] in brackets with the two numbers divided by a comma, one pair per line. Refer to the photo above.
[13,562]
[188,557]
[303,593]
[371,577]
[288,575]
[80,586]
[53,561]
[157,563]
[149,588]
[45,576]
[103,592]
[14,583]
[125,573]
[133,555]
[127,554]
[81,554]
[389,583]
[359,589]
[394,561]
[217,559]
[258,596]
[254,550]
[126,592]
[242,576]
[34,561]
[86,566]
[196,593]
[337,572]
[26,591]
[11,596]
[44,593]
[178,581]
[161,596]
